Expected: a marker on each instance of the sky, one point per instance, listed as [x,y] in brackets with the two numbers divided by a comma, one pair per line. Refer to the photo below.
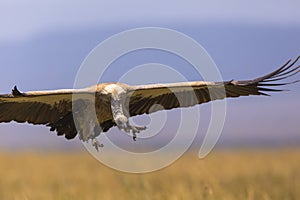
[23,19]
[42,45]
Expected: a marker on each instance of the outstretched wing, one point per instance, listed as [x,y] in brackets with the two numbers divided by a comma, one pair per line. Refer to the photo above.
[150,98]
[52,108]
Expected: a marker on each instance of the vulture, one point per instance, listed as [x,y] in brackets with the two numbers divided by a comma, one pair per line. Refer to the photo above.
[69,111]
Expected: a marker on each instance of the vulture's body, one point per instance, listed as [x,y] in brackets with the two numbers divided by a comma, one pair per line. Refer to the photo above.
[96,109]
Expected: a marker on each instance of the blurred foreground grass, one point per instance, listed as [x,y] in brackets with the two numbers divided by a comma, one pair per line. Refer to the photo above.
[234,174]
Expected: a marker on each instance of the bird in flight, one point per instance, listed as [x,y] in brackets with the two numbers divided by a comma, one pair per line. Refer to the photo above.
[70,111]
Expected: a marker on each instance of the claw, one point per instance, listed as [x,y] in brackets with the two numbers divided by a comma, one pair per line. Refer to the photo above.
[123,124]
[96,144]
[133,136]
[136,129]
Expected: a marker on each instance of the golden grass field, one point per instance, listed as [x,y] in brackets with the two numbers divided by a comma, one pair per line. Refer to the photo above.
[224,174]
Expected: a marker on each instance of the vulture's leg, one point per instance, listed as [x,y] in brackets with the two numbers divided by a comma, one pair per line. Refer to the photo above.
[121,120]
[88,127]
[97,130]
[90,131]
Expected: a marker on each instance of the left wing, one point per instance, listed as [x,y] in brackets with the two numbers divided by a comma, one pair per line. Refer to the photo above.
[154,97]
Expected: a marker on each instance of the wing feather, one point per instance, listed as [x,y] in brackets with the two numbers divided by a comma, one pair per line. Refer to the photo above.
[143,97]
[51,108]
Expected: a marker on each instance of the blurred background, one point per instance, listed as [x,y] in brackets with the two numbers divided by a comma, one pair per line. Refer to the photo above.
[43,43]
[42,46]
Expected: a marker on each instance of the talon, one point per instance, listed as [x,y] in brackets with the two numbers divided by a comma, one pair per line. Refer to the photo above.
[134,136]
[123,124]
[96,144]
[136,129]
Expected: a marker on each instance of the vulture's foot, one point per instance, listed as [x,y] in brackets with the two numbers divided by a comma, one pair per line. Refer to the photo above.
[123,124]
[96,144]
[135,129]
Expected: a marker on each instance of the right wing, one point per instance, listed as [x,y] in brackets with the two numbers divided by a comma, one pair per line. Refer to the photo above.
[52,108]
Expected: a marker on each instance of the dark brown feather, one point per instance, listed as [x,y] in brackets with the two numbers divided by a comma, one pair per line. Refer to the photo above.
[187,94]
[53,109]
